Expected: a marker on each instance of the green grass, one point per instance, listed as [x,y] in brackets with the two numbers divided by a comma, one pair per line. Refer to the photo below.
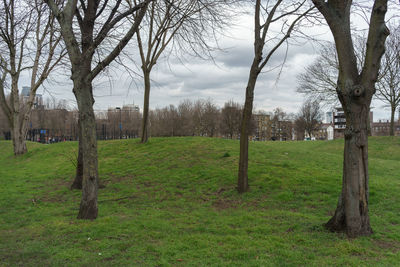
[172,202]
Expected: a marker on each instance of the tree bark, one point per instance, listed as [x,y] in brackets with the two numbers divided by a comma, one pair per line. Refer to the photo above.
[243,183]
[18,138]
[393,111]
[77,184]
[351,215]
[145,120]
[355,91]
[87,130]
[17,127]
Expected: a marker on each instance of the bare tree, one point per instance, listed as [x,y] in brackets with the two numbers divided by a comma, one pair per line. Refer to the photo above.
[205,117]
[4,125]
[319,79]
[355,89]
[310,114]
[165,121]
[281,125]
[267,14]
[388,86]
[131,119]
[29,41]
[185,110]
[187,25]
[230,119]
[300,128]
[86,29]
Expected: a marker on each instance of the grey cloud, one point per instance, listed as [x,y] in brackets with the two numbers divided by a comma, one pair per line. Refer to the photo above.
[191,78]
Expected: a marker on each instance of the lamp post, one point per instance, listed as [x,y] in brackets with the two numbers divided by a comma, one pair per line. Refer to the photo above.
[120,122]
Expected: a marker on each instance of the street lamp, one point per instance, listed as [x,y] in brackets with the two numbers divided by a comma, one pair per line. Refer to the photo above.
[120,122]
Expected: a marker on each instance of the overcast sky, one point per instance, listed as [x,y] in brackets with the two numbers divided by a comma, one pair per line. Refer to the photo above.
[175,81]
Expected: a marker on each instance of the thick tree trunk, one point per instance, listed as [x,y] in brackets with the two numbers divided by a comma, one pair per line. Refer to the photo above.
[17,127]
[243,183]
[309,133]
[18,133]
[77,184]
[87,123]
[18,138]
[355,91]
[393,110]
[351,214]
[145,120]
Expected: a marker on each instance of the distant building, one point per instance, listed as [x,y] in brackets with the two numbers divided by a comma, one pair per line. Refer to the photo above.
[38,101]
[339,123]
[26,91]
[329,117]
[282,130]
[382,128]
[38,104]
[131,107]
[325,132]
[262,127]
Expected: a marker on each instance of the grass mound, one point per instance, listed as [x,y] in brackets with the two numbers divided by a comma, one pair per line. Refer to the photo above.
[172,202]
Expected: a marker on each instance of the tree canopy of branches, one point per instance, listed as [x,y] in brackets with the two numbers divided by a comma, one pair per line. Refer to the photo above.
[319,79]
[29,42]
[266,42]
[309,117]
[388,86]
[230,119]
[187,25]
[355,89]
[93,29]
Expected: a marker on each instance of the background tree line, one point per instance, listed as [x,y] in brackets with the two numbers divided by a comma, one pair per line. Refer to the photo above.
[189,118]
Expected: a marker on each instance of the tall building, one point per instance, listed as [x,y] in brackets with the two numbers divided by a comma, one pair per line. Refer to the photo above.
[329,117]
[38,104]
[26,90]
[38,101]
[339,122]
[131,107]
[262,126]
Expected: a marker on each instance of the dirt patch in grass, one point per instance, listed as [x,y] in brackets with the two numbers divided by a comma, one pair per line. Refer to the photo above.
[222,204]
[117,179]
[392,245]
[149,187]
[226,203]
[173,166]
[54,197]
[57,184]
[52,191]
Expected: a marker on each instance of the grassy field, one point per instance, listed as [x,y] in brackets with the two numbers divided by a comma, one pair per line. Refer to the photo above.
[172,202]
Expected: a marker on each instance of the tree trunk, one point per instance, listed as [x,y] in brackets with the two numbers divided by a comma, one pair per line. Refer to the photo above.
[243,183]
[145,120]
[87,131]
[355,91]
[18,138]
[351,215]
[393,110]
[77,184]
[17,127]
[309,133]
